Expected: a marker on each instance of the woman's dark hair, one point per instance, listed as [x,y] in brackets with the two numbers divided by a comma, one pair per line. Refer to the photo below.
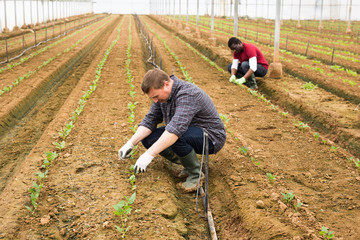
[233,40]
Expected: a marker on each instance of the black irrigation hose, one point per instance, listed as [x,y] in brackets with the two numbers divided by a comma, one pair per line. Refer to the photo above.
[50,39]
[205,153]
[150,59]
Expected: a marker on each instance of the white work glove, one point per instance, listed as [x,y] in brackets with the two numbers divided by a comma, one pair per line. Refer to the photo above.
[240,81]
[124,151]
[142,163]
[232,78]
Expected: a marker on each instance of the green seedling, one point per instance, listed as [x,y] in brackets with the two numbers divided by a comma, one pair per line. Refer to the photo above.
[243,150]
[297,206]
[302,126]
[351,73]
[288,196]
[63,133]
[131,106]
[224,118]
[337,68]
[274,108]
[34,195]
[132,93]
[357,163]
[333,148]
[79,109]
[132,181]
[59,146]
[133,128]
[351,159]
[326,234]
[284,114]
[316,135]
[324,141]
[51,156]
[309,86]
[131,117]
[271,177]
[352,83]
[123,209]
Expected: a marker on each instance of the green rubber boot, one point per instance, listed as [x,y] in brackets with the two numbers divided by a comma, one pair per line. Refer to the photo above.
[170,155]
[192,165]
[177,170]
[251,82]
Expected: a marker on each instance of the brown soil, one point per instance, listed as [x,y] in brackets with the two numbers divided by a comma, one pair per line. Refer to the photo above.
[17,42]
[339,121]
[265,36]
[88,178]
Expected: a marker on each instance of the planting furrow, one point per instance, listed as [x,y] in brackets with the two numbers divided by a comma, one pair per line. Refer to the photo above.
[12,65]
[267,39]
[213,181]
[18,80]
[273,139]
[34,159]
[27,41]
[17,103]
[324,41]
[18,141]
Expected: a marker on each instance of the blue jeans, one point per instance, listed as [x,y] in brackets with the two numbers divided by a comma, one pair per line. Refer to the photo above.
[191,139]
[244,67]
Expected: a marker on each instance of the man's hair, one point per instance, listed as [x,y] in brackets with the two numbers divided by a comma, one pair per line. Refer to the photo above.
[154,78]
[233,40]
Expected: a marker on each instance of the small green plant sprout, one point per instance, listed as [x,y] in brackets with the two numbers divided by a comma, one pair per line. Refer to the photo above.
[224,118]
[288,196]
[326,234]
[284,114]
[51,156]
[357,163]
[132,93]
[243,150]
[324,141]
[274,108]
[271,177]
[132,181]
[34,195]
[316,135]
[351,159]
[123,209]
[134,128]
[297,206]
[309,86]
[302,126]
[333,148]
[59,146]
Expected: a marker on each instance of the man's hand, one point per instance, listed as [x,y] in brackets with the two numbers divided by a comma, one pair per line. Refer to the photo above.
[142,163]
[124,151]
[232,78]
[240,80]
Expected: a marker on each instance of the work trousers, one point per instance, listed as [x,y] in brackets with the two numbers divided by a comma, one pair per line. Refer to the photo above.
[243,67]
[192,139]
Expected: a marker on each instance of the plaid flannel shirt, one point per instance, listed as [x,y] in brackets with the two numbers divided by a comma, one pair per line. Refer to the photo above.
[188,105]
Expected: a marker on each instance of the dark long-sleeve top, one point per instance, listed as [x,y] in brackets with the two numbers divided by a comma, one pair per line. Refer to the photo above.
[187,105]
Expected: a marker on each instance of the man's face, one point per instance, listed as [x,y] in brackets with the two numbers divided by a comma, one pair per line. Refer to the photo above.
[161,94]
[237,47]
